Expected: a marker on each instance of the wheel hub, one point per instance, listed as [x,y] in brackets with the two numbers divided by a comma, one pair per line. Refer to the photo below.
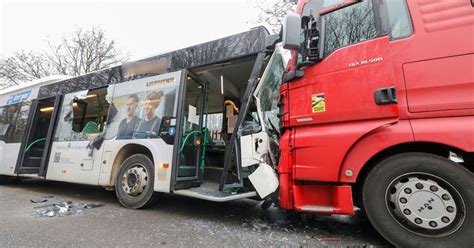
[423,205]
[135,180]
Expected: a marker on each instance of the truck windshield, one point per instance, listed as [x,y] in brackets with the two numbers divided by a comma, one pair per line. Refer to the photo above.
[268,92]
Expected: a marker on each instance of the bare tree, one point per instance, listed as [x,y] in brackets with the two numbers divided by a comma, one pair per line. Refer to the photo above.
[273,12]
[24,66]
[80,53]
[84,52]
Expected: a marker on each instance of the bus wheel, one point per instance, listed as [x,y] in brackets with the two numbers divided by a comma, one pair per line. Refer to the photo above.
[421,200]
[134,182]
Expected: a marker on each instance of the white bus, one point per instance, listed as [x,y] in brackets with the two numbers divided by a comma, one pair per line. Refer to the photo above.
[198,122]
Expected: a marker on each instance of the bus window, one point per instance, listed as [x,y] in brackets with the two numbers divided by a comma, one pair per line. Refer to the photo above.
[20,123]
[8,118]
[5,124]
[83,115]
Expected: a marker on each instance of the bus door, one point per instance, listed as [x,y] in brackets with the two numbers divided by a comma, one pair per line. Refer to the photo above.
[188,149]
[77,149]
[35,147]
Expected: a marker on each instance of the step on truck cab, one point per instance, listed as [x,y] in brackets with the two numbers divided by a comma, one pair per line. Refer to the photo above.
[378,112]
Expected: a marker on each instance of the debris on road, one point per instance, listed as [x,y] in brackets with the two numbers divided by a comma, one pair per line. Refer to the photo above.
[42,199]
[61,208]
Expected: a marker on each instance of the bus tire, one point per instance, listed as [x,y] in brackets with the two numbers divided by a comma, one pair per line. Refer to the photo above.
[421,200]
[134,182]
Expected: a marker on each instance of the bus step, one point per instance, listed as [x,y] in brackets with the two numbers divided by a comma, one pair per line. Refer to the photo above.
[210,191]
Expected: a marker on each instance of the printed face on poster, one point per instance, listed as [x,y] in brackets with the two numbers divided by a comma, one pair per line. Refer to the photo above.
[138,106]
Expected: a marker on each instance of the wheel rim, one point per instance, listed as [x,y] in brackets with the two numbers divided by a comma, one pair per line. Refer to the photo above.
[135,180]
[425,204]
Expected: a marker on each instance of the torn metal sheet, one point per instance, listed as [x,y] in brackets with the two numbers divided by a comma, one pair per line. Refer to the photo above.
[265,180]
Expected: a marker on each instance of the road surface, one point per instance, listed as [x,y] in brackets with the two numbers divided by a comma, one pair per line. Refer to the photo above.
[174,222]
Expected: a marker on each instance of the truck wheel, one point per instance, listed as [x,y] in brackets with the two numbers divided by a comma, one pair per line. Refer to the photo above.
[421,200]
[134,182]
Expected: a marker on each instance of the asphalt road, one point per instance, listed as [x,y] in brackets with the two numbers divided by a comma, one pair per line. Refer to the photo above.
[174,222]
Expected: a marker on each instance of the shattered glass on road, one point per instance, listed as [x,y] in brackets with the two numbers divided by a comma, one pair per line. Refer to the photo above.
[60,208]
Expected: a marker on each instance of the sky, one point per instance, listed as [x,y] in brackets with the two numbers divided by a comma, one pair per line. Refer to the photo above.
[141,28]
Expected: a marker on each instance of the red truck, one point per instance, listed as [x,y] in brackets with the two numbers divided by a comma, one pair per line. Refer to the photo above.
[378,112]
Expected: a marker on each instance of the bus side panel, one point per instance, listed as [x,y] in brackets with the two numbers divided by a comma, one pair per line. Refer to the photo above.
[162,157]
[70,162]
[8,157]
[122,142]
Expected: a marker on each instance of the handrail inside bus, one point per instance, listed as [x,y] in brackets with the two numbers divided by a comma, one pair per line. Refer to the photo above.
[204,132]
[187,137]
[230,102]
[33,143]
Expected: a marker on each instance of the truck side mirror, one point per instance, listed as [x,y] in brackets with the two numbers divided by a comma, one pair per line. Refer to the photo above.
[292,32]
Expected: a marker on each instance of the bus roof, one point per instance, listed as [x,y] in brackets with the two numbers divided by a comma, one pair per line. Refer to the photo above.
[37,82]
[239,45]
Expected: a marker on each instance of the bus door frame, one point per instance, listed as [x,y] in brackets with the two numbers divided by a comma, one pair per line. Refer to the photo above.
[195,181]
[32,118]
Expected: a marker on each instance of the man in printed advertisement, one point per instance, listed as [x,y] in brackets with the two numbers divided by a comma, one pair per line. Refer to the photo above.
[150,125]
[129,125]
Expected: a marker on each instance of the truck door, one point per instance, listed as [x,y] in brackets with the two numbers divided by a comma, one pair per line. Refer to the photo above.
[353,79]
[346,92]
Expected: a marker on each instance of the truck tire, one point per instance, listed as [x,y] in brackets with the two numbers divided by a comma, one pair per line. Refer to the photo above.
[421,200]
[134,182]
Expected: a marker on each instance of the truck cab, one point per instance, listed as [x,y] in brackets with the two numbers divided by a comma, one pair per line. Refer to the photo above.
[377,102]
